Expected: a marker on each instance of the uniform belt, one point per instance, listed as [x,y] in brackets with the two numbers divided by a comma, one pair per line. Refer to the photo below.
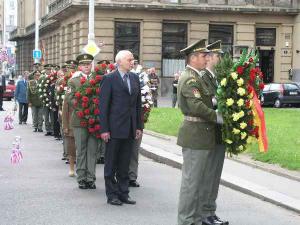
[193,119]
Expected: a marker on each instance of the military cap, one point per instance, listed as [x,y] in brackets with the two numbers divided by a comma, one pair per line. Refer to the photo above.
[103,62]
[84,58]
[48,66]
[198,46]
[56,67]
[64,66]
[37,64]
[71,62]
[215,47]
[37,71]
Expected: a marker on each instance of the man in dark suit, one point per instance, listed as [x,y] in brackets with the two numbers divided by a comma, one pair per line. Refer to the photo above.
[2,89]
[121,123]
[21,98]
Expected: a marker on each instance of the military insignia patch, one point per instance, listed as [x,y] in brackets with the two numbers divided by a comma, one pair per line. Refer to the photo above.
[191,81]
[196,93]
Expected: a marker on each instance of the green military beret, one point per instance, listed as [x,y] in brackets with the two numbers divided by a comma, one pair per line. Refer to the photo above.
[103,62]
[198,46]
[215,47]
[84,58]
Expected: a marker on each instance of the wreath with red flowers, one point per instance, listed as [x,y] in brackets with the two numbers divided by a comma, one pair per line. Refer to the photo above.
[86,102]
[62,87]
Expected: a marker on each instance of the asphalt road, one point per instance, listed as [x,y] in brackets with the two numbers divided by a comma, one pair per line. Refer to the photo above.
[39,192]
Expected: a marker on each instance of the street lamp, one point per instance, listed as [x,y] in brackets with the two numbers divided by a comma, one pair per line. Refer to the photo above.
[36,47]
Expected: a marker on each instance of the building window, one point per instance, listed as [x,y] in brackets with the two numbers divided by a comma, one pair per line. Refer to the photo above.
[265,36]
[11,20]
[223,33]
[174,38]
[127,37]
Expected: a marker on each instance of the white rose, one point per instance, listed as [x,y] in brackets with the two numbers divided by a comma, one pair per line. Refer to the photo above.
[46,85]
[48,81]
[45,95]
[143,99]
[40,90]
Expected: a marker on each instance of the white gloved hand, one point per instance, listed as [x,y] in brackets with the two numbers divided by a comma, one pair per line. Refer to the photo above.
[214,101]
[219,118]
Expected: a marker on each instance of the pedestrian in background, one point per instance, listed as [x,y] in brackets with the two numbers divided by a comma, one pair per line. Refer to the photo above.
[21,97]
[175,84]
[154,82]
[2,89]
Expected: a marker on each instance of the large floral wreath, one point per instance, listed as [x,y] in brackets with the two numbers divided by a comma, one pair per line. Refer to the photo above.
[62,87]
[240,86]
[87,99]
[44,88]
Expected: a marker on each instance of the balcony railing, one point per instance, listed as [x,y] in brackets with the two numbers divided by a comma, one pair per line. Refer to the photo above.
[57,5]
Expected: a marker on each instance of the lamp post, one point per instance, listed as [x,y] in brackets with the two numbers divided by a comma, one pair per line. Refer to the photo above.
[36,46]
[91,35]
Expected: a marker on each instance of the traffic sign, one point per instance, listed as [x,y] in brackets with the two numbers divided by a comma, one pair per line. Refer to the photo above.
[37,54]
[91,48]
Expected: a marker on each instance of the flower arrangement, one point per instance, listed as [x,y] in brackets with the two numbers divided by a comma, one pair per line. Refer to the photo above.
[147,102]
[240,87]
[62,87]
[44,88]
[86,102]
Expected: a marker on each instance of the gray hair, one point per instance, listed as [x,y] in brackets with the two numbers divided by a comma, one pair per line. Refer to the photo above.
[121,54]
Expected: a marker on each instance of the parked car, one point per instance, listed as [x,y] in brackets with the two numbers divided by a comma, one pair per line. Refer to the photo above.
[9,93]
[279,94]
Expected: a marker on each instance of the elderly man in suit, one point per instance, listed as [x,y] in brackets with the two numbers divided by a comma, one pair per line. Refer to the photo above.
[21,98]
[121,123]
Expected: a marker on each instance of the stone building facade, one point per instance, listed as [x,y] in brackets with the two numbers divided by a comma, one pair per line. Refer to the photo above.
[155,30]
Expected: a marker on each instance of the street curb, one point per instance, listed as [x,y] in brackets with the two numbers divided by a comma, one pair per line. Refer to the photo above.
[253,165]
[260,193]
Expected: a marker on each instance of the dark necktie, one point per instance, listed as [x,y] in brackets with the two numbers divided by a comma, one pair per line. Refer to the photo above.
[125,81]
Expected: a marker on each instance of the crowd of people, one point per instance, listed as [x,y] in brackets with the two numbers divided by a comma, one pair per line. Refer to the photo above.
[100,116]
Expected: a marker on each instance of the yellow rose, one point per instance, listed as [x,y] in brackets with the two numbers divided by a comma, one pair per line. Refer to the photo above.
[240,102]
[241,91]
[228,141]
[241,147]
[250,140]
[236,131]
[229,102]
[243,125]
[223,82]
[241,114]
[235,116]
[240,82]
[234,75]
[243,135]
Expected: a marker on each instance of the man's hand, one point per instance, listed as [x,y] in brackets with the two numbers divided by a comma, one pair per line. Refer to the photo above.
[105,136]
[138,134]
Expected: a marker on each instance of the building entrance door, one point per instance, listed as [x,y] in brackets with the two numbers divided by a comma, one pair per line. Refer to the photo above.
[266,63]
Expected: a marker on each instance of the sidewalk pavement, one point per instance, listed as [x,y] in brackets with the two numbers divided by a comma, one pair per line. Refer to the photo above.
[270,187]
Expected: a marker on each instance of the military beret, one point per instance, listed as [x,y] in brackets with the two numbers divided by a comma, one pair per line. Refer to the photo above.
[198,46]
[215,47]
[84,58]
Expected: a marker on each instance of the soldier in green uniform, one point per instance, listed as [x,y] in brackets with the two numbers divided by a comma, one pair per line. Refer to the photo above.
[196,136]
[86,143]
[35,102]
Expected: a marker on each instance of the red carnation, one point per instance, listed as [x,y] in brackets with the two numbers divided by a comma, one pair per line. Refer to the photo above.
[83,123]
[91,130]
[97,127]
[80,114]
[96,69]
[96,101]
[254,132]
[91,121]
[82,80]
[92,82]
[96,111]
[247,104]
[84,105]
[77,94]
[103,65]
[85,99]
[87,111]
[249,89]
[240,70]
[111,66]
[89,91]
[98,78]
[252,76]
[251,60]
[261,86]
[97,91]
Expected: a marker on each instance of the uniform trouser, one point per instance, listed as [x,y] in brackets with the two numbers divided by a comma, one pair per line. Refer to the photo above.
[134,160]
[23,112]
[100,149]
[117,158]
[86,147]
[56,125]
[1,98]
[174,100]
[48,117]
[200,184]
[37,117]
[65,145]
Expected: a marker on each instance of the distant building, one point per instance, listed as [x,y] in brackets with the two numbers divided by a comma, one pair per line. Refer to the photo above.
[156,30]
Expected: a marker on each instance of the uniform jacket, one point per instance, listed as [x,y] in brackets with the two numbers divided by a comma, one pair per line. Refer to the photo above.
[33,95]
[120,111]
[195,100]
[21,91]
[67,111]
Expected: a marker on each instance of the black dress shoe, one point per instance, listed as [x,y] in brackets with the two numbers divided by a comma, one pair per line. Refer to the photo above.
[133,183]
[91,185]
[48,134]
[25,123]
[127,200]
[40,130]
[114,201]
[82,185]
[35,130]
[20,122]
[64,158]
[100,161]
[217,220]
[67,161]
[207,221]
